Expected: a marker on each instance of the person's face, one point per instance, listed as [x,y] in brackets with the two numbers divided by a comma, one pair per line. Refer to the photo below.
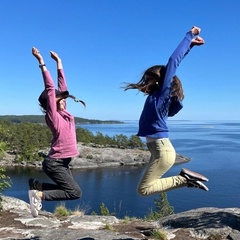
[60,104]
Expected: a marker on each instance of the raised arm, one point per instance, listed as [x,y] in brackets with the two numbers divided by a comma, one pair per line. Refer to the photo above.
[62,85]
[51,108]
[179,53]
[48,82]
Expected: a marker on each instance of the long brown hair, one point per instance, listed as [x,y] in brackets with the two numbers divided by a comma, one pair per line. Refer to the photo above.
[177,89]
[152,80]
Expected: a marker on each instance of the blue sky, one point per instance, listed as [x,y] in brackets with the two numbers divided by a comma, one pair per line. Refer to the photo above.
[104,43]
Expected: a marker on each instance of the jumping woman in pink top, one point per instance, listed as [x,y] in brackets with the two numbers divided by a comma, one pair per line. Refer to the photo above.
[63,144]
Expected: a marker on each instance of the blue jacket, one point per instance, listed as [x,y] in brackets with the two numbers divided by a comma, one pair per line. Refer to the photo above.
[153,119]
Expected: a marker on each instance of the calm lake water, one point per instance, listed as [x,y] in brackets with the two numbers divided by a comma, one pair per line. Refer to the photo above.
[213,147]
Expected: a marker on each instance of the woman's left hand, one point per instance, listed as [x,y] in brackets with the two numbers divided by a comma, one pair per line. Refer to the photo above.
[198,41]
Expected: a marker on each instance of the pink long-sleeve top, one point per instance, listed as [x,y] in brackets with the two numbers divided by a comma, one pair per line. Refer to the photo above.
[61,123]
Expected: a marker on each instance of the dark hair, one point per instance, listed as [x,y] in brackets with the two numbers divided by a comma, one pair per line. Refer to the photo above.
[43,98]
[77,100]
[177,89]
[154,80]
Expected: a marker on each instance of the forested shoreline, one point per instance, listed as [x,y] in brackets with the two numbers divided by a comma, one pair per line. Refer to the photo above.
[25,140]
[40,119]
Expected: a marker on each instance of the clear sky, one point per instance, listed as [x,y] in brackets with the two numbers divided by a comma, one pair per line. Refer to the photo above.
[104,43]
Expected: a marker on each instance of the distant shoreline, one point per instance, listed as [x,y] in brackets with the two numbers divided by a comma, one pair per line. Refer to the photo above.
[92,156]
[41,119]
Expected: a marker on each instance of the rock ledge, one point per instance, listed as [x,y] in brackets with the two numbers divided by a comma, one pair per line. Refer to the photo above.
[16,222]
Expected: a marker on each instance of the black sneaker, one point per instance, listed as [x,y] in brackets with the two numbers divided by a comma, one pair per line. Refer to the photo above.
[197,184]
[33,184]
[192,176]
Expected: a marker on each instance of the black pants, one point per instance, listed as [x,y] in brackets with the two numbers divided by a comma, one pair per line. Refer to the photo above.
[66,187]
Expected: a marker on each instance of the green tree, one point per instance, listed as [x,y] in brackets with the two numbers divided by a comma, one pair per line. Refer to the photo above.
[84,135]
[3,148]
[5,181]
[104,210]
[3,137]
[135,141]
[121,140]
[100,139]
[163,208]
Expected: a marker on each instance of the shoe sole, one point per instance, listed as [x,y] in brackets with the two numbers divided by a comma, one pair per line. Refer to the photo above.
[192,174]
[199,185]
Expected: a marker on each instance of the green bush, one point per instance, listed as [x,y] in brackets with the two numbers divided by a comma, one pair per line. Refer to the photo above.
[104,210]
[61,211]
[3,148]
[159,234]
[5,182]
[163,208]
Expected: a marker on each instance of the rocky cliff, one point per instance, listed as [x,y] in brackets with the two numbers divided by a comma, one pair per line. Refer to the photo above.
[16,222]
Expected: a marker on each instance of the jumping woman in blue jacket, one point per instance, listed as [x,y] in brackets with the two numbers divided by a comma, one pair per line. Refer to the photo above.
[164,98]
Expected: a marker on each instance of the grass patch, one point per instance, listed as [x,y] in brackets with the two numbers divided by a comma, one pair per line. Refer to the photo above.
[62,211]
[159,234]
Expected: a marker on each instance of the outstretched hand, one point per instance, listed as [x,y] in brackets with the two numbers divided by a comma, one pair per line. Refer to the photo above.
[55,56]
[198,41]
[36,54]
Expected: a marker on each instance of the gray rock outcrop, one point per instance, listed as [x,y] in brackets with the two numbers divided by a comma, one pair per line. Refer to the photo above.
[16,222]
[48,227]
[205,223]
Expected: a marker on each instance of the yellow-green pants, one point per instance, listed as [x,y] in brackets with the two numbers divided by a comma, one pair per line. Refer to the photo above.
[162,159]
